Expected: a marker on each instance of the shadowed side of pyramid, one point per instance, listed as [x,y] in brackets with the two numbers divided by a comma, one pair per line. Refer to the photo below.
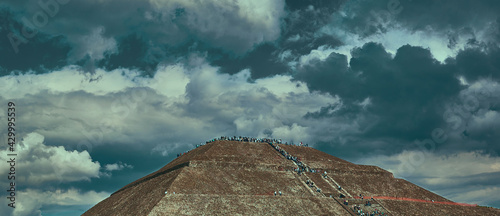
[232,177]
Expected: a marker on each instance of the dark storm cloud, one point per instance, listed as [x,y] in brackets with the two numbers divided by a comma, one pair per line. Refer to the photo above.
[448,17]
[453,14]
[55,37]
[163,30]
[262,62]
[474,64]
[326,5]
[410,95]
[305,18]
[406,92]
[134,52]
[40,54]
[332,75]
[298,37]
[73,18]
[365,18]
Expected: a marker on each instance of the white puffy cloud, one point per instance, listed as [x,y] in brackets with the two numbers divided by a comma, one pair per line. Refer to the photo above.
[30,201]
[294,133]
[68,79]
[117,166]
[169,81]
[321,53]
[39,163]
[258,108]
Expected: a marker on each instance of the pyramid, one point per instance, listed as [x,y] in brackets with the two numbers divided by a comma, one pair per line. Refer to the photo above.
[227,177]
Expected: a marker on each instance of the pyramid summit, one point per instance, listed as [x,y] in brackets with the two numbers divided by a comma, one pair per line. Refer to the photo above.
[248,176]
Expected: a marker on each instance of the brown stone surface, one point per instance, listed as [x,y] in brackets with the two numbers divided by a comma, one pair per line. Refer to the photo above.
[322,183]
[200,204]
[138,199]
[230,181]
[239,178]
[315,158]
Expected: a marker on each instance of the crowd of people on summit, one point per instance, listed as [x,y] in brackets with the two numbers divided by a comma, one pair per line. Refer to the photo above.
[245,139]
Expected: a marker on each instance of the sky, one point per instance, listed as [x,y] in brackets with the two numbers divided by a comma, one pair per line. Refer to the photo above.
[108,91]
